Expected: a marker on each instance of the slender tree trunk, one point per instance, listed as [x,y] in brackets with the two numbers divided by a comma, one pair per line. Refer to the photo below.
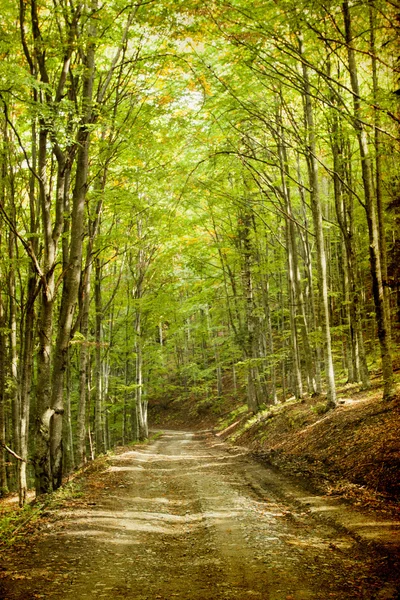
[3,329]
[298,313]
[319,234]
[99,429]
[12,319]
[26,384]
[382,318]
[378,163]
[282,327]
[12,300]
[252,371]
[358,371]
[234,380]
[27,335]
[270,338]
[296,367]
[304,236]
[140,402]
[3,473]
[83,378]
[45,333]
[69,461]
[140,399]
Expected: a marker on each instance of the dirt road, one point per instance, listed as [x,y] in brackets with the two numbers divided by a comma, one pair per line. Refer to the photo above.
[184,517]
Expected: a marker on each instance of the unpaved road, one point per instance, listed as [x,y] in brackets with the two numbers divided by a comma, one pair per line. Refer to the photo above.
[186,518]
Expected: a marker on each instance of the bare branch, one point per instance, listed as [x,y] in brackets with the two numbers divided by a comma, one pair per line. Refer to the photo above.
[12,452]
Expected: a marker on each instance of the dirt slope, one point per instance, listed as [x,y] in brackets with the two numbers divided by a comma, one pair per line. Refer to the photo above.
[186,517]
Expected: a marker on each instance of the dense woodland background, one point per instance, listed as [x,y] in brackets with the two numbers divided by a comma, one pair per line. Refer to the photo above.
[197,199]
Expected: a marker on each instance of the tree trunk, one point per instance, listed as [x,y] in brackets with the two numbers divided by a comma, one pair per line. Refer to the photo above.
[69,460]
[83,370]
[297,308]
[27,336]
[3,473]
[319,234]
[140,400]
[141,407]
[99,433]
[45,333]
[72,277]
[378,163]
[26,384]
[296,368]
[344,215]
[304,236]
[270,338]
[252,370]
[382,317]
[85,290]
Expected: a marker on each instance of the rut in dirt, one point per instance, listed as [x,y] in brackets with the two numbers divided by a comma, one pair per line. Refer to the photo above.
[186,518]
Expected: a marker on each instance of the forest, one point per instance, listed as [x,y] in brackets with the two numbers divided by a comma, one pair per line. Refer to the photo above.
[196,199]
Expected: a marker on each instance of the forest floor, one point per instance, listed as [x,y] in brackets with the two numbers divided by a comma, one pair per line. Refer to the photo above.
[188,516]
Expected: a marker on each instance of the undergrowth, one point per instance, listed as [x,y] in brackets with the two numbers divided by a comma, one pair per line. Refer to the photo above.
[13,522]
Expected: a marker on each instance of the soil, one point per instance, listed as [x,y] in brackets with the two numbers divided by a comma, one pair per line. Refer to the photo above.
[191,518]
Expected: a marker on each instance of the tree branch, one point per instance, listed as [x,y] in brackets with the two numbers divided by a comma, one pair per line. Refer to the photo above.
[12,452]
